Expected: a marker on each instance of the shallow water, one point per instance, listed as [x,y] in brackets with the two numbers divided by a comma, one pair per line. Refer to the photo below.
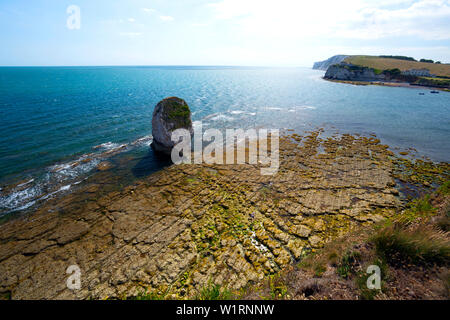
[59,123]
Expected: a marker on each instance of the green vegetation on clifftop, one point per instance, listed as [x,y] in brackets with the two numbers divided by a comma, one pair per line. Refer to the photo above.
[382,63]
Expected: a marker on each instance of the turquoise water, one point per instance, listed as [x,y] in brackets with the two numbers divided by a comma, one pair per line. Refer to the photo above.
[58,123]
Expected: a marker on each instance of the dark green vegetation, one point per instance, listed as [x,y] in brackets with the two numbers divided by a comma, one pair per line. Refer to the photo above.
[347,264]
[419,235]
[409,59]
[399,58]
[214,292]
[433,82]
[390,73]
[5,296]
[178,111]
[417,244]
[209,292]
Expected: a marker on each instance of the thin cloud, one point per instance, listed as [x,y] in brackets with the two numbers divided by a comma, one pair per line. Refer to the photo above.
[162,17]
[166,18]
[130,34]
[199,25]
[367,19]
[148,10]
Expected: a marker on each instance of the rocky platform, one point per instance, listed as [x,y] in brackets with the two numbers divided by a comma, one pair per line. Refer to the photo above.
[187,225]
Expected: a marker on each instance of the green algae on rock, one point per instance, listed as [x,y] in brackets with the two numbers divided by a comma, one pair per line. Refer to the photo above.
[182,228]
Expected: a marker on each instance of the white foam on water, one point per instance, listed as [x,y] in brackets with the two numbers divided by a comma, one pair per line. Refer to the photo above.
[144,141]
[211,116]
[19,198]
[222,117]
[243,112]
[306,107]
[25,206]
[258,245]
[63,188]
[107,146]
[25,183]
[62,176]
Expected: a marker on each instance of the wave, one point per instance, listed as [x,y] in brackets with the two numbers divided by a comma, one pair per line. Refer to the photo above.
[236,112]
[210,116]
[107,146]
[305,107]
[222,117]
[228,116]
[60,177]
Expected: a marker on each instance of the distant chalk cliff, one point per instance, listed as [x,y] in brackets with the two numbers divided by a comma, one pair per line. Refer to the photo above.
[323,65]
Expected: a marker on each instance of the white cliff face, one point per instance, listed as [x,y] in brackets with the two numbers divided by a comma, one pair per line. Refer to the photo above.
[324,65]
[352,73]
[169,114]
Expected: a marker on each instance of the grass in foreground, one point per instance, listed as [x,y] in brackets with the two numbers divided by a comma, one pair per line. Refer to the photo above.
[418,244]
[415,242]
[214,292]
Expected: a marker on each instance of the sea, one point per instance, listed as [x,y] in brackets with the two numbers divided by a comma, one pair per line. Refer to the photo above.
[59,123]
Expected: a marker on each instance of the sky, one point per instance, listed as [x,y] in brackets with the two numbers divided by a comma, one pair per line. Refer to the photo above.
[218,32]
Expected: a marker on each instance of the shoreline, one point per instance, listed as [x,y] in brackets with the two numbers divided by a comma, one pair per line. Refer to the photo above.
[178,228]
[114,159]
[387,84]
[20,192]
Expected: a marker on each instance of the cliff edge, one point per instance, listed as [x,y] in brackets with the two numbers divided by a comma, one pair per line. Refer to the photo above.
[350,72]
[324,65]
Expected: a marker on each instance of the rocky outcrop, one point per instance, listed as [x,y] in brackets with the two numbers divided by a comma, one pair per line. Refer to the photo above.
[180,228]
[351,72]
[324,65]
[169,114]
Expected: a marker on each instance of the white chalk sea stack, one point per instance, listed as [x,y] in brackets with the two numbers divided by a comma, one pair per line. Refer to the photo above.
[169,114]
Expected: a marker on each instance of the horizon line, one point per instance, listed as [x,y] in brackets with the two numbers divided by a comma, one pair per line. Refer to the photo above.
[149,65]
